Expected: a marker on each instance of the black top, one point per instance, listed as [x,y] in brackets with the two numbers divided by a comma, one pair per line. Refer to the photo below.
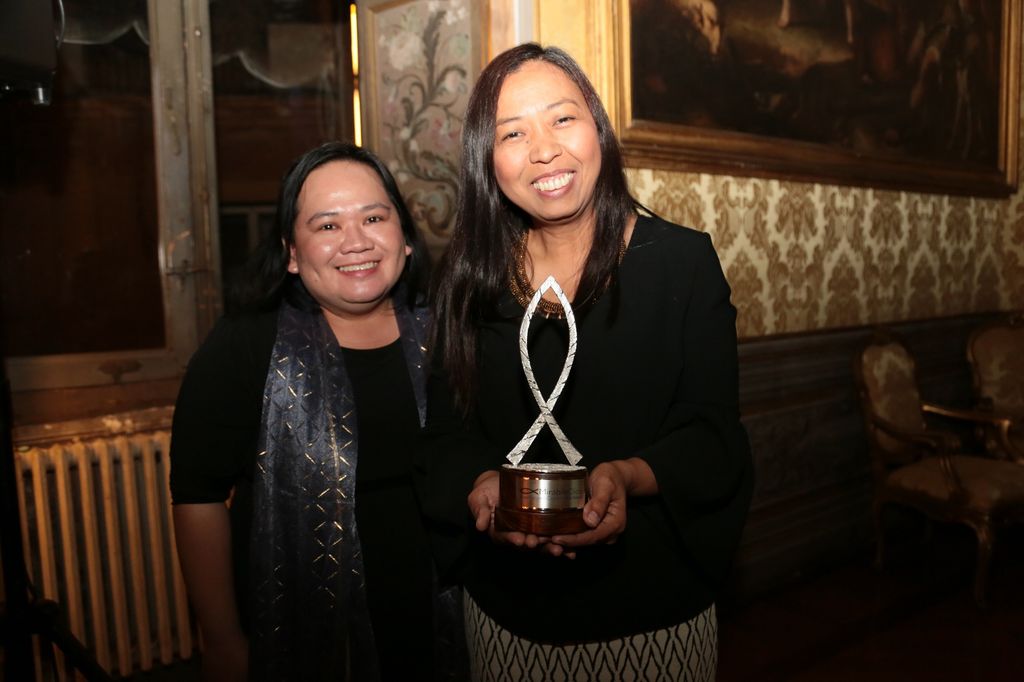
[213,448]
[655,377]
[396,554]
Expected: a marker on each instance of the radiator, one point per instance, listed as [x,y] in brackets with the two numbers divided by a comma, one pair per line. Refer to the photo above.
[99,539]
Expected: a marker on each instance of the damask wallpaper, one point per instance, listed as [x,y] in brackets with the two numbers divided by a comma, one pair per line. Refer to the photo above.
[803,257]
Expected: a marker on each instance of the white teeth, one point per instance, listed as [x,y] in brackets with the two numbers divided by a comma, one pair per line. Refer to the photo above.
[551,184]
[357,268]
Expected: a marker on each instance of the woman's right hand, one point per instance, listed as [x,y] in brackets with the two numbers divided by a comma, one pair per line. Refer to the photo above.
[226,659]
[483,499]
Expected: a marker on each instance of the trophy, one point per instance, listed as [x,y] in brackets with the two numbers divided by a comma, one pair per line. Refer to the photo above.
[543,499]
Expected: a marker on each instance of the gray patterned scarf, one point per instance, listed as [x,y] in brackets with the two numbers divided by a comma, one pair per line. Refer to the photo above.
[309,618]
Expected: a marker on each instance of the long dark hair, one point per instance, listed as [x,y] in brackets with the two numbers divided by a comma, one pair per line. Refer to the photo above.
[268,281]
[488,227]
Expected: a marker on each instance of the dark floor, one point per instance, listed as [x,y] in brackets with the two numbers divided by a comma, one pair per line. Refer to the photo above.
[914,620]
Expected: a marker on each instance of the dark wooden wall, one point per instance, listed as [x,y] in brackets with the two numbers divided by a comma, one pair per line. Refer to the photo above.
[812,496]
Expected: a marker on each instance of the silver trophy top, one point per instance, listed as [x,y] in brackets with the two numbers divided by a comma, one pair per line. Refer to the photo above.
[516,454]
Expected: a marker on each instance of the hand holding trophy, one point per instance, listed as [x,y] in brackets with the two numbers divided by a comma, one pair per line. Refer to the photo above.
[543,499]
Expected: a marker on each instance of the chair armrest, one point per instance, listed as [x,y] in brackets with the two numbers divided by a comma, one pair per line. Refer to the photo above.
[1000,423]
[937,441]
[938,444]
[1012,449]
[979,416]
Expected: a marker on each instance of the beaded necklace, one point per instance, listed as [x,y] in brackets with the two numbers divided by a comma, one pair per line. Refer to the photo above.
[519,283]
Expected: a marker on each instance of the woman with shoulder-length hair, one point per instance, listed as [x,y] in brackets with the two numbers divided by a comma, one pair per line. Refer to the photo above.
[651,401]
[305,410]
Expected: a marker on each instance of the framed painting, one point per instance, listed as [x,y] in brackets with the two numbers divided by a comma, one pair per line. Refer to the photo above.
[919,95]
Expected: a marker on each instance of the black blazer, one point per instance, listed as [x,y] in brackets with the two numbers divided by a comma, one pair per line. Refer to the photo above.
[655,377]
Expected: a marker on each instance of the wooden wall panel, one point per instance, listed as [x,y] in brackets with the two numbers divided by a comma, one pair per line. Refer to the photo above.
[812,494]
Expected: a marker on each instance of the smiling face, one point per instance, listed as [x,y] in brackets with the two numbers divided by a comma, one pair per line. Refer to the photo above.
[547,154]
[348,246]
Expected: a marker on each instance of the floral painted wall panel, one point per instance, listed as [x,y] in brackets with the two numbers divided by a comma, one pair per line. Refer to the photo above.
[424,58]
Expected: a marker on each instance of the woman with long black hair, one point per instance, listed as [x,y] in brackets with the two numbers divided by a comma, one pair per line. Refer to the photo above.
[651,401]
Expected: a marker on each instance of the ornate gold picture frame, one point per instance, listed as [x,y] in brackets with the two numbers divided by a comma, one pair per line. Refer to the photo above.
[919,95]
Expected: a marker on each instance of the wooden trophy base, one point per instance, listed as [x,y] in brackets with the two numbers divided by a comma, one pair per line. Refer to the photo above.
[563,522]
[543,499]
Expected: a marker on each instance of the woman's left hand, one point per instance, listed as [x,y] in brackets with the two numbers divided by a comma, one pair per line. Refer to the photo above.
[483,499]
[611,483]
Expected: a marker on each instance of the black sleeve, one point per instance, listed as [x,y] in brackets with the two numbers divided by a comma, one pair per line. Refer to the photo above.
[217,415]
[702,461]
[702,450]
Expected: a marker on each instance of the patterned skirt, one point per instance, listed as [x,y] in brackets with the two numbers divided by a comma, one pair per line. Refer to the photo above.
[687,652]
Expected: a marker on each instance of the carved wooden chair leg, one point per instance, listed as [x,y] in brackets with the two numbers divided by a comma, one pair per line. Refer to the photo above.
[985,541]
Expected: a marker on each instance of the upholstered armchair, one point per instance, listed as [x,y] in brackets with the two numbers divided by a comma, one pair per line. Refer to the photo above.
[924,468]
[996,354]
